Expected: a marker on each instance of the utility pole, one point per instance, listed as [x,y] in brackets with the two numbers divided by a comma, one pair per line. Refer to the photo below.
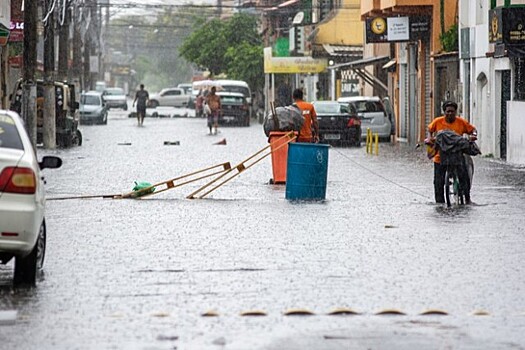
[87,66]
[29,62]
[76,71]
[49,129]
[63,47]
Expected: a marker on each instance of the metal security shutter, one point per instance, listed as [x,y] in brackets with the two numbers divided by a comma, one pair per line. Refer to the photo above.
[403,100]
[428,108]
[402,61]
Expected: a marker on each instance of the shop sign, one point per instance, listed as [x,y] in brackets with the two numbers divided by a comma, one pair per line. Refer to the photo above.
[507,25]
[292,64]
[17,31]
[396,29]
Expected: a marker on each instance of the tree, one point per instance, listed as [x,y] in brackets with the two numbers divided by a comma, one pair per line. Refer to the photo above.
[245,62]
[206,47]
[231,47]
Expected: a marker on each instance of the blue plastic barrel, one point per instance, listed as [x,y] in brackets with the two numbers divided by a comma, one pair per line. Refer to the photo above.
[307,171]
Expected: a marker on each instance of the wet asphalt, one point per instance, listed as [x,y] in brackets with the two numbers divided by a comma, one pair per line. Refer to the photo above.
[140,273]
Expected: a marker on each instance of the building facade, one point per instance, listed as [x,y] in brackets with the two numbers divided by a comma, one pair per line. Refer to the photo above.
[414,30]
[492,52]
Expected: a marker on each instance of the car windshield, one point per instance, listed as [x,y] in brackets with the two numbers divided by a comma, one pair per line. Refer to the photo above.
[330,108]
[114,92]
[234,88]
[9,136]
[90,100]
[368,106]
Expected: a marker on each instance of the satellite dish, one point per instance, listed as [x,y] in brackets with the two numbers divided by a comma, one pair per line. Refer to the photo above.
[299,17]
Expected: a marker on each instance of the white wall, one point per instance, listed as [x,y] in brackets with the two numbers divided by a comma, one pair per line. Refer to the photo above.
[481,80]
[5,13]
[516,132]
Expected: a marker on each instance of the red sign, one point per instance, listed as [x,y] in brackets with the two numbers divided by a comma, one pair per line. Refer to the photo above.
[17,31]
[15,61]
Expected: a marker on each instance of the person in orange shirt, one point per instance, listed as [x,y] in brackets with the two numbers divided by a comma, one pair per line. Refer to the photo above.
[450,121]
[310,130]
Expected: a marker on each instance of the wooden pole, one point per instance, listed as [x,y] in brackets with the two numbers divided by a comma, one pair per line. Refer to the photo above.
[241,167]
[49,113]
[29,68]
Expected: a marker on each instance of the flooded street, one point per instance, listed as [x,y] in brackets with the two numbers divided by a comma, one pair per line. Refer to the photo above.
[139,274]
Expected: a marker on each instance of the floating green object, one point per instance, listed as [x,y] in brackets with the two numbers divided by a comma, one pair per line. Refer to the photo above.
[140,188]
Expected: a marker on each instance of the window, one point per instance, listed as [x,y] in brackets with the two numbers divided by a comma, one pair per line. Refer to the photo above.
[90,100]
[9,137]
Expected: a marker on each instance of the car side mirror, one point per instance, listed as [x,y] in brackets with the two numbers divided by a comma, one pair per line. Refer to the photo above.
[76,105]
[50,162]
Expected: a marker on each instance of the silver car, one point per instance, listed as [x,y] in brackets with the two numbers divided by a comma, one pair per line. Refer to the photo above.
[115,97]
[93,109]
[372,113]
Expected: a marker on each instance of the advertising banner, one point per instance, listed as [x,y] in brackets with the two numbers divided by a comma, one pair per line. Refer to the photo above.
[292,64]
[396,29]
[507,25]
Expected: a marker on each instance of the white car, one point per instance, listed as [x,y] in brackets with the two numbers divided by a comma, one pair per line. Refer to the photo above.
[22,200]
[115,97]
[373,115]
[93,109]
[174,97]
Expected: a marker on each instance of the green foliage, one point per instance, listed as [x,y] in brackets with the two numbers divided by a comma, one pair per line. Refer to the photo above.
[449,39]
[245,62]
[231,47]
[206,47]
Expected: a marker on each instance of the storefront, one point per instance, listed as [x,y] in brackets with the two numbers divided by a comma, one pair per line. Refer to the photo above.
[507,33]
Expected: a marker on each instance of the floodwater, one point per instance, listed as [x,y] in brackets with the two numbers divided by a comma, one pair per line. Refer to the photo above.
[140,273]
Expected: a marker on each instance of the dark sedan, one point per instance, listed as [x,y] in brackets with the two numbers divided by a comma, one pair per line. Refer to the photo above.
[235,109]
[338,123]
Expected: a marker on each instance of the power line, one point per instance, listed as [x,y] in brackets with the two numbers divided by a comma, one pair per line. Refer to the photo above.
[215,6]
[133,25]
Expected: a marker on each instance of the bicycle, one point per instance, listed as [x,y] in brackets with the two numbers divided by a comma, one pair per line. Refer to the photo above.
[455,152]
[454,193]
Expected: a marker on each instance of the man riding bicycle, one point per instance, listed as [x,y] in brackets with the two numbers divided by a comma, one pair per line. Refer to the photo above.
[450,121]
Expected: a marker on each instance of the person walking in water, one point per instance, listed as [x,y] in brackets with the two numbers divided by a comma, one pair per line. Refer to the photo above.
[214,103]
[310,130]
[142,99]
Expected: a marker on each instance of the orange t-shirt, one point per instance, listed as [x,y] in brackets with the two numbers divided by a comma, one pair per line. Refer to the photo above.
[460,126]
[305,134]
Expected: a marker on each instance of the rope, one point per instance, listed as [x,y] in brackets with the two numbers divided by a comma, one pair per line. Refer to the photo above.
[381,176]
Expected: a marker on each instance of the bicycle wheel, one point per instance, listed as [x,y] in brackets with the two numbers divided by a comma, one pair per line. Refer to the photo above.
[457,194]
[449,187]
[452,189]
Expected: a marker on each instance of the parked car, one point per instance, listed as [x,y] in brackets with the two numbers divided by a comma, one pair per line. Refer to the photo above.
[235,109]
[237,86]
[188,90]
[174,97]
[372,113]
[22,199]
[338,123]
[93,109]
[115,97]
